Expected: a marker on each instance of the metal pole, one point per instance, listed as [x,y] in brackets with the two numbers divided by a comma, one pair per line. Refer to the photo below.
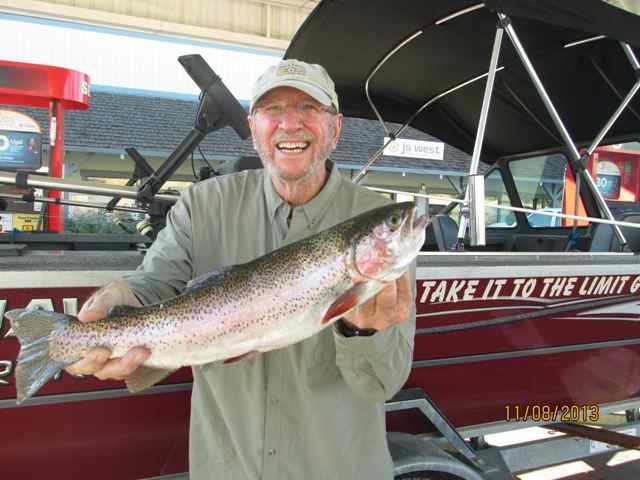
[482,123]
[39,181]
[486,101]
[373,158]
[558,121]
[515,209]
[391,53]
[631,56]
[626,101]
[377,67]
[538,85]
[441,95]
[614,117]
[72,203]
[55,222]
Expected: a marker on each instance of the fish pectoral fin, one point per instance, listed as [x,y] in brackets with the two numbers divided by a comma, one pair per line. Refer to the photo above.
[145,377]
[202,279]
[244,356]
[346,302]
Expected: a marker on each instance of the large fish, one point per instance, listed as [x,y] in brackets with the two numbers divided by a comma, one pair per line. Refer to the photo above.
[273,301]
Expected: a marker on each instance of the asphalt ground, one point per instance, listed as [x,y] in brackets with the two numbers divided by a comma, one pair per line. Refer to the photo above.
[622,465]
[609,465]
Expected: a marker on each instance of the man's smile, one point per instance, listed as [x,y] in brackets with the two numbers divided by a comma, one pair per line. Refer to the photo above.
[292,147]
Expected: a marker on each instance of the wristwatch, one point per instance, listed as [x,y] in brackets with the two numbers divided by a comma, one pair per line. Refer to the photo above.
[349,331]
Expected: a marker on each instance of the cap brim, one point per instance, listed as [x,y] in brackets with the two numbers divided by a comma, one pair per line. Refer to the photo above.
[311,90]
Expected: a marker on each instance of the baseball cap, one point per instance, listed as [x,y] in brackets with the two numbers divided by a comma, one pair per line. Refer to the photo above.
[310,78]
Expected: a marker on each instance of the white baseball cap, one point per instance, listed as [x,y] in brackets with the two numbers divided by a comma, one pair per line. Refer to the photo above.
[310,78]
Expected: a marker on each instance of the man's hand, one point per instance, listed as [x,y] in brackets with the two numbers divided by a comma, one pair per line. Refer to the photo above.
[392,305]
[97,362]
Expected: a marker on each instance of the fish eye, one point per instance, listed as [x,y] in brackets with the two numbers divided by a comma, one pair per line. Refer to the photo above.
[394,221]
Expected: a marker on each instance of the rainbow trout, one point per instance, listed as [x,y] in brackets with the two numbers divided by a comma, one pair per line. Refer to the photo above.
[273,301]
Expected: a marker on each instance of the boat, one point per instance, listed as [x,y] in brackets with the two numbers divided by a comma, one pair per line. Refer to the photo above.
[520,321]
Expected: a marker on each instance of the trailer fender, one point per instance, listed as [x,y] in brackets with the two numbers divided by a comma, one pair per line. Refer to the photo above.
[412,454]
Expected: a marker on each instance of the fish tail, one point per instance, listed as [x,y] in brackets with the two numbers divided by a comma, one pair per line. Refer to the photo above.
[33,327]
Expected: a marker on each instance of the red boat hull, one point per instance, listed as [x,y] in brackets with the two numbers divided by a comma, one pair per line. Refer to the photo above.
[490,346]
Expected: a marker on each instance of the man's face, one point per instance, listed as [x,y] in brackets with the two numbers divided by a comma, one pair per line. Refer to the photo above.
[293,133]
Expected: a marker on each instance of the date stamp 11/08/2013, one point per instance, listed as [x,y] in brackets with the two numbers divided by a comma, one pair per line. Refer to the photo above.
[552,413]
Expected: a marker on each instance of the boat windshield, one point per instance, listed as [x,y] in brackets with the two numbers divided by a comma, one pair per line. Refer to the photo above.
[631,6]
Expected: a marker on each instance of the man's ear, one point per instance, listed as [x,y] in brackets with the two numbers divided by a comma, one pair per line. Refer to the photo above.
[251,122]
[338,130]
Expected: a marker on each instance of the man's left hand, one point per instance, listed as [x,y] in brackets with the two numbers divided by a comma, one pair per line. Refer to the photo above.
[389,307]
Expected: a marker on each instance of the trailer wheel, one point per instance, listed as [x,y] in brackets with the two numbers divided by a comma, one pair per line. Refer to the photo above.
[427,476]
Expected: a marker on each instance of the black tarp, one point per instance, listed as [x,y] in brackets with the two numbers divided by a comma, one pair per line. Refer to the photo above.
[586,83]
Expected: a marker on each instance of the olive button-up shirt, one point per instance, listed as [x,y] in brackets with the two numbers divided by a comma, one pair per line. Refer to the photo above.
[313,410]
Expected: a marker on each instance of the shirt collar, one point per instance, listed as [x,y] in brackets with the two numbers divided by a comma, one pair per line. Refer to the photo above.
[315,207]
[274,201]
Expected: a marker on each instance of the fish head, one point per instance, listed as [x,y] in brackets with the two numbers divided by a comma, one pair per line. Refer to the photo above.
[386,240]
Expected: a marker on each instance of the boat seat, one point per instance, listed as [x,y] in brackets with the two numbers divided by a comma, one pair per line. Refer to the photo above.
[535,243]
[429,238]
[632,235]
[445,231]
[601,237]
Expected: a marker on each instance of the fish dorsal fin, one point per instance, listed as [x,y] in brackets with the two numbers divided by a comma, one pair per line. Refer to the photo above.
[345,302]
[145,377]
[203,279]
[122,311]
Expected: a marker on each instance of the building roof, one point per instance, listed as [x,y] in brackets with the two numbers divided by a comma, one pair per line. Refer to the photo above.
[156,125]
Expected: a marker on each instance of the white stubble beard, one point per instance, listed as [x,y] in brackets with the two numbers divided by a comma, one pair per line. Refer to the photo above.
[321,156]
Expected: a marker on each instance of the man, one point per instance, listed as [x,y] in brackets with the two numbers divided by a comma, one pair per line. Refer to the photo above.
[314,410]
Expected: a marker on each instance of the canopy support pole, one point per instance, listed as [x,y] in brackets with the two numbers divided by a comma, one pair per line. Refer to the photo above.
[477,147]
[625,102]
[393,135]
[604,208]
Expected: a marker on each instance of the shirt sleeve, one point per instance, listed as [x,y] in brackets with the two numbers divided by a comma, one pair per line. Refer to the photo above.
[168,264]
[377,366]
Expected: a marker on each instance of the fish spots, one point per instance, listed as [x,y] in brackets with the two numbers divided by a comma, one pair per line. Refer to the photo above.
[280,295]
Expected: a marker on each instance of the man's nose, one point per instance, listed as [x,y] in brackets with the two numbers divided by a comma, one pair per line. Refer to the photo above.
[291,118]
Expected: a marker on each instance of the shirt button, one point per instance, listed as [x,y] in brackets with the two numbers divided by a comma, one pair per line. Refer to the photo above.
[274,401]
[272,452]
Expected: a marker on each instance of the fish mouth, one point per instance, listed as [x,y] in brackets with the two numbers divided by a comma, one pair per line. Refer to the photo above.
[407,244]
[414,229]
[419,221]
[413,221]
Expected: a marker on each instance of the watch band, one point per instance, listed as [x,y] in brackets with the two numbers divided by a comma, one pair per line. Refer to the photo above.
[349,331]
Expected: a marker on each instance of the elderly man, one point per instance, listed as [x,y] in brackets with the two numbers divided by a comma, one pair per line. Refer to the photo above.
[314,410]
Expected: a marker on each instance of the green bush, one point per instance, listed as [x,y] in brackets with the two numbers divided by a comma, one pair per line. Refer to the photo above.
[99,222]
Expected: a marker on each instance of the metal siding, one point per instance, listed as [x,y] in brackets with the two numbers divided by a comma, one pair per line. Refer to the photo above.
[285,21]
[241,16]
[246,18]
[127,61]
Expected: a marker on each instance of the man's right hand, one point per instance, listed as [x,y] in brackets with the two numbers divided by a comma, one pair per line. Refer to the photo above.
[97,362]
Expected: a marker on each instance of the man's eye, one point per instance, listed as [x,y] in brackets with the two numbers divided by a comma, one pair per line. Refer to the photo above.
[309,108]
[272,109]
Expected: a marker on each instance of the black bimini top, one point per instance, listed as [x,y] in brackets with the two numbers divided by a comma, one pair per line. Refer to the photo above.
[586,82]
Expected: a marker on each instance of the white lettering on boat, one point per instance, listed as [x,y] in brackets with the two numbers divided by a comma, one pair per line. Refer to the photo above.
[454,291]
